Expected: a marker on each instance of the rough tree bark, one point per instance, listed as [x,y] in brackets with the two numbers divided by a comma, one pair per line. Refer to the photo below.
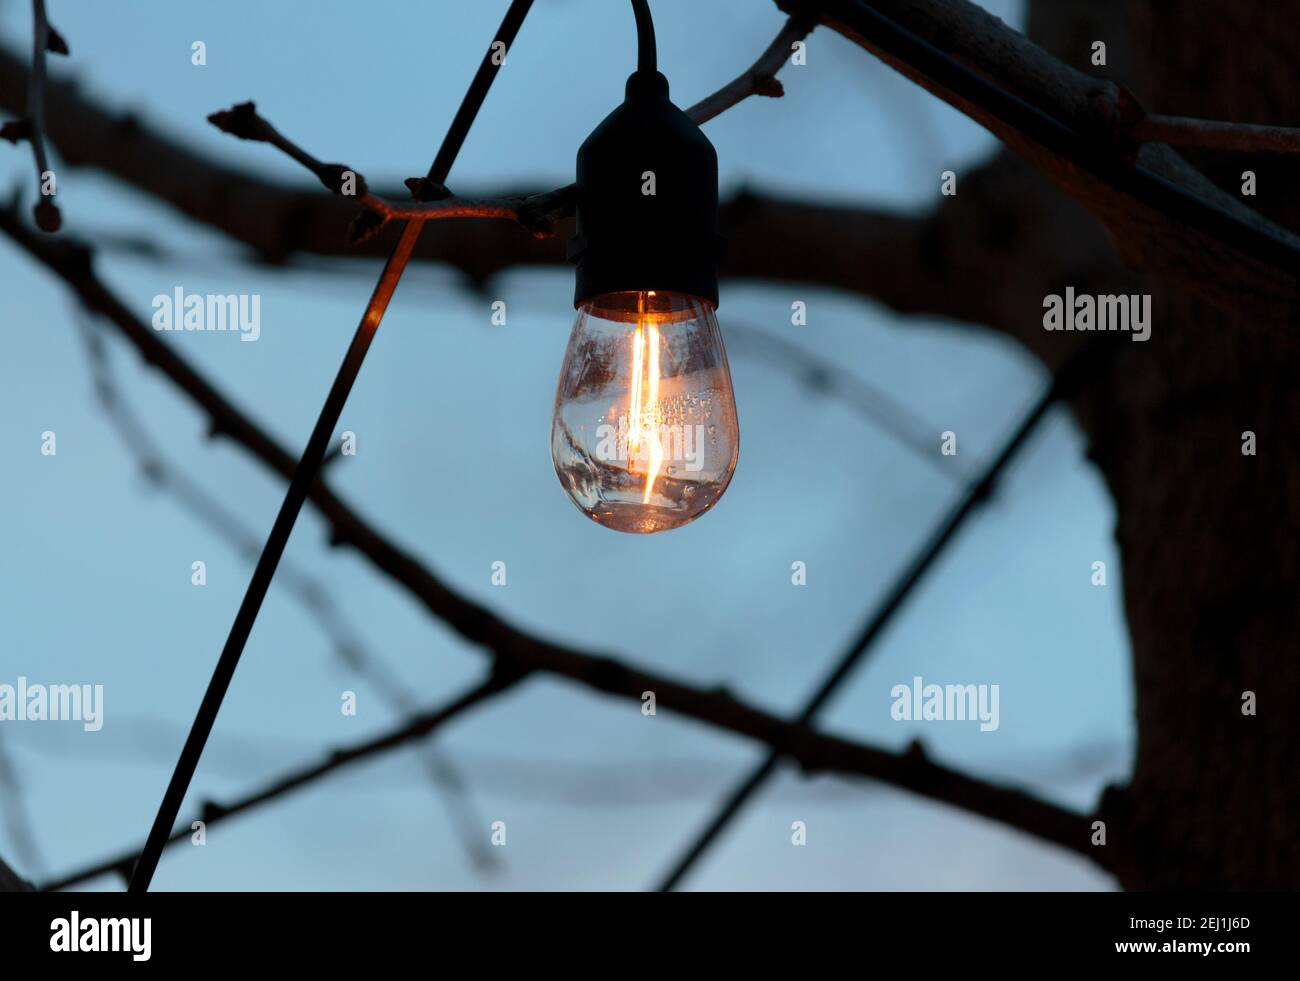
[1209,536]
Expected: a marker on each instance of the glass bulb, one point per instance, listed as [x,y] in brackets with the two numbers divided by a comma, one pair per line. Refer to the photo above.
[644,436]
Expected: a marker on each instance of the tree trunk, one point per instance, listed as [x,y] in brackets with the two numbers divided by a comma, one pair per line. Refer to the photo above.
[1208,535]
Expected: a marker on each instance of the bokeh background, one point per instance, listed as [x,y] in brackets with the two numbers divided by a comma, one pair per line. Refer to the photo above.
[452,416]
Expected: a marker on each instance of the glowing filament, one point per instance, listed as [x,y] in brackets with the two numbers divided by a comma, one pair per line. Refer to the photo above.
[643,401]
[634,396]
[656,448]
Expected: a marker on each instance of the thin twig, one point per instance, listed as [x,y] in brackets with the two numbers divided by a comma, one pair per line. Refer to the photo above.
[760,78]
[481,627]
[1185,131]
[242,120]
[36,91]
[32,128]
[211,813]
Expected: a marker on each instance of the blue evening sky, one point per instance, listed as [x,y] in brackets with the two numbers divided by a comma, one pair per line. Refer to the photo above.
[452,417]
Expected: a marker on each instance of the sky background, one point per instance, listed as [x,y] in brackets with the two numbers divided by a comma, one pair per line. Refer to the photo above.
[452,417]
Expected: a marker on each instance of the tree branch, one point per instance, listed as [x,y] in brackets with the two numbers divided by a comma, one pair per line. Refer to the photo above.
[32,126]
[1243,137]
[538,213]
[518,651]
[760,78]
[1101,172]
[46,212]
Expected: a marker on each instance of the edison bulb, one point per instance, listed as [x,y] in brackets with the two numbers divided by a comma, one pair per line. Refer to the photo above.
[644,436]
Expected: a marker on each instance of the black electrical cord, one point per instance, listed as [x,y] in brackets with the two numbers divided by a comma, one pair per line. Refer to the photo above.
[477,92]
[646,56]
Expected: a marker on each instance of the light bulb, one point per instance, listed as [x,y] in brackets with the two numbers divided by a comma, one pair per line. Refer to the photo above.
[644,436]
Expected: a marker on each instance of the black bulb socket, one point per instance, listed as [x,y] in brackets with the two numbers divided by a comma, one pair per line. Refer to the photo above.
[647,208]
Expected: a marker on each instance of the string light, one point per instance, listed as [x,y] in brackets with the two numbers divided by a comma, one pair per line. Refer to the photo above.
[644,436]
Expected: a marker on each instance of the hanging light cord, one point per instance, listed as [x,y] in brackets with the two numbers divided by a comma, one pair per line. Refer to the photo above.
[646,56]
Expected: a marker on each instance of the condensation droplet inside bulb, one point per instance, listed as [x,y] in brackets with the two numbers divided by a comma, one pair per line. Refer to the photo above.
[644,436]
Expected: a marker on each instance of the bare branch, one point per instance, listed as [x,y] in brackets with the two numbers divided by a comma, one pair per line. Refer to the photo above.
[243,121]
[1245,137]
[32,127]
[1104,176]
[760,78]
[45,211]
[518,651]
